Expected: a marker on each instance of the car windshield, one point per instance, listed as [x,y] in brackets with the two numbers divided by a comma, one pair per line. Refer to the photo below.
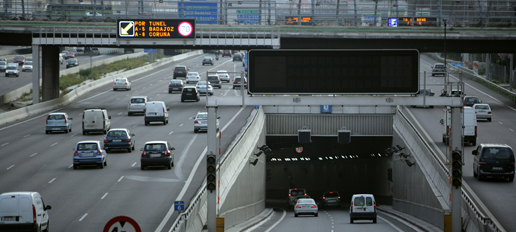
[497,153]
[2,63]
[359,201]
[305,201]
[482,107]
[137,100]
[72,61]
[56,117]
[201,83]
[207,58]
[472,99]
[439,66]
[193,74]
[202,116]
[28,63]
[121,80]
[19,57]
[212,78]
[175,82]
[297,192]
[11,68]
[86,146]
[180,69]
[331,194]
[117,134]
[189,89]
[155,147]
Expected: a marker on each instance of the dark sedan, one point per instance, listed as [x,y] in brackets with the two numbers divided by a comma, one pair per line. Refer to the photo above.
[237,57]
[175,85]
[19,59]
[120,138]
[72,63]
[207,60]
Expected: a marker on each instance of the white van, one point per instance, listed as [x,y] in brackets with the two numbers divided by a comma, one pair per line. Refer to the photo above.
[95,120]
[362,207]
[23,211]
[469,131]
[156,111]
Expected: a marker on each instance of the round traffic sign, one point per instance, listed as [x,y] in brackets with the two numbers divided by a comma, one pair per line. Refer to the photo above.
[299,150]
[122,223]
[185,29]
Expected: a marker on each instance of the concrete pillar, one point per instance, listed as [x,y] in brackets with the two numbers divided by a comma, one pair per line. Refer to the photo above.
[50,72]
[35,74]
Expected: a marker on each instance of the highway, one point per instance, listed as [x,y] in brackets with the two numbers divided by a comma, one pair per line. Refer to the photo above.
[87,198]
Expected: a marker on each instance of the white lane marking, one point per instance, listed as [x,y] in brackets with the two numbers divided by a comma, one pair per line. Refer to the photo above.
[121,178]
[54,144]
[171,132]
[50,182]
[10,167]
[33,155]
[105,194]
[133,164]
[26,136]
[511,129]
[390,223]
[118,99]
[190,177]
[119,113]
[4,144]
[135,126]
[181,125]
[71,165]
[83,217]
[260,223]
[178,171]
[278,222]
[73,135]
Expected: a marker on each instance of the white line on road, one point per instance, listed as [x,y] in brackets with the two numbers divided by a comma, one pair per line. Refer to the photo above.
[105,194]
[501,123]
[33,155]
[511,129]
[73,135]
[54,144]
[26,136]
[71,165]
[278,222]
[390,223]
[133,164]
[119,113]
[135,126]
[181,125]
[10,167]
[171,132]
[4,144]
[50,182]
[83,217]
[122,177]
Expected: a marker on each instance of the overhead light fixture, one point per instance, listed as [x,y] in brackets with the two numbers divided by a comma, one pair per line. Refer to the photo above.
[254,162]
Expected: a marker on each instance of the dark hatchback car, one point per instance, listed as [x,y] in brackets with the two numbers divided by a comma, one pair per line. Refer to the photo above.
[237,57]
[493,160]
[190,93]
[119,138]
[330,198]
[237,84]
[180,71]
[70,63]
[19,59]
[207,60]
[471,100]
[157,153]
[215,81]
[226,53]
[175,85]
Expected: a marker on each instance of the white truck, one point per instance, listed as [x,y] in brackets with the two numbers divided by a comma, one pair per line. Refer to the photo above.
[469,123]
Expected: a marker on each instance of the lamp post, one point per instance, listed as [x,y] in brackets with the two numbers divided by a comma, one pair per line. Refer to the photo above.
[445,64]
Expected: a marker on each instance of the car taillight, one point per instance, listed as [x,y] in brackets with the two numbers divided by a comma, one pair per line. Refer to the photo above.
[47,119]
[106,140]
[65,120]
[99,152]
[125,83]
[475,131]
[297,206]
[482,163]
[313,206]
[464,103]
[175,71]
[167,153]
[339,197]
[114,83]
[235,82]
[34,215]
[197,122]
[143,153]
[323,198]
[511,164]
[289,195]
[128,139]
[488,112]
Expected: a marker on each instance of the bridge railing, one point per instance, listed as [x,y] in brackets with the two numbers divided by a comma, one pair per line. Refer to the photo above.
[465,13]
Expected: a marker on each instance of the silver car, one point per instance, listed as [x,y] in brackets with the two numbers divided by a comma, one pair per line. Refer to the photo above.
[136,105]
[27,66]
[121,83]
[201,122]
[3,66]
[12,70]
[204,87]
[306,206]
[58,122]
[223,75]
[483,111]
[438,69]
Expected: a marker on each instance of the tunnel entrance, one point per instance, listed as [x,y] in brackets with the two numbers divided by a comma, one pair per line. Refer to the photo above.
[325,165]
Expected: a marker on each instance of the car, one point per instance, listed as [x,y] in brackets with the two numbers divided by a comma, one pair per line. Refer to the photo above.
[214,80]
[121,83]
[293,195]
[224,75]
[204,87]
[482,111]
[74,51]
[175,85]
[89,152]
[330,198]
[3,66]
[201,122]
[226,53]
[19,59]
[157,153]
[471,100]
[237,57]
[306,206]
[69,55]
[72,63]
[12,70]
[493,160]
[58,122]
[438,69]
[61,58]
[207,60]
[193,77]
[95,120]
[63,53]
[190,93]
[136,105]
[362,207]
[237,82]
[119,138]
[91,51]
[180,71]
[28,59]
[425,92]
[90,14]
[156,111]
[27,66]
[23,211]
[4,60]
[79,49]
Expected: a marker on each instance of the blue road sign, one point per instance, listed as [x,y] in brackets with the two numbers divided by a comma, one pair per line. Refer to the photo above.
[150,50]
[325,109]
[179,206]
[202,12]
[257,107]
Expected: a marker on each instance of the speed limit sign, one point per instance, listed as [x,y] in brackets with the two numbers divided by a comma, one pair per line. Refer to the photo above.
[122,224]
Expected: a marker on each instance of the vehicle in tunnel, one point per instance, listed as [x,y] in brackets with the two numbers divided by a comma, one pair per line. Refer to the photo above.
[362,207]
[294,194]
[330,198]
[306,206]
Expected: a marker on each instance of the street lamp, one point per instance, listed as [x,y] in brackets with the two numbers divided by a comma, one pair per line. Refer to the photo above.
[445,64]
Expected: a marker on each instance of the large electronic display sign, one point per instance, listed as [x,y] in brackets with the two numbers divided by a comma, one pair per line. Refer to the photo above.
[156,28]
[284,71]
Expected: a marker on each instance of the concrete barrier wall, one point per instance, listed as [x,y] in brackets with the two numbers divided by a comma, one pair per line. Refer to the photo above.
[18,114]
